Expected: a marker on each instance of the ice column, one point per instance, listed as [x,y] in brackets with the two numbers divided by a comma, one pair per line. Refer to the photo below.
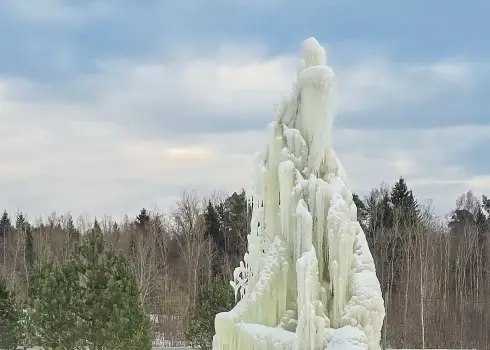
[308,280]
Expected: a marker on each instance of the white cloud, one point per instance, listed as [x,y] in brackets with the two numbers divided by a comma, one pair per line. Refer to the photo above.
[84,147]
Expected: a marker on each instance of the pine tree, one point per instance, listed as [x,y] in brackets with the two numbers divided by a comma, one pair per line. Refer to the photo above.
[11,331]
[91,300]
[215,298]
[54,303]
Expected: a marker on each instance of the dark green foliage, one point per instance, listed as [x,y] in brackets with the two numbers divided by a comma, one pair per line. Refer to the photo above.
[115,229]
[21,223]
[215,298]
[11,329]
[405,205]
[390,218]
[461,221]
[53,318]
[227,226]
[379,215]
[213,228]
[143,220]
[73,233]
[362,213]
[96,230]
[90,301]
[5,224]
[30,256]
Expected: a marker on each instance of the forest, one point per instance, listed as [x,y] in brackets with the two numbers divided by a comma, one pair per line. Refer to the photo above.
[434,272]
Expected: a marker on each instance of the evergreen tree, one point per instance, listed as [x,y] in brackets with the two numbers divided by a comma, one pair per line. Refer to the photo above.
[237,209]
[54,303]
[461,220]
[73,233]
[91,300]
[5,224]
[11,330]
[213,228]
[115,229]
[96,229]
[143,220]
[21,223]
[132,245]
[481,221]
[215,298]
[379,211]
[469,224]
[362,213]
[29,251]
[404,203]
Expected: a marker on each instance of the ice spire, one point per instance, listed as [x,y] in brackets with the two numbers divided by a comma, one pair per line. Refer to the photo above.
[308,280]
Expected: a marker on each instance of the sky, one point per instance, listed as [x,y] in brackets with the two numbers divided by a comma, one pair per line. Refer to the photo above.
[110,106]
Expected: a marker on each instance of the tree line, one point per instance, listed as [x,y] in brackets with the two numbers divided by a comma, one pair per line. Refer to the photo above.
[434,272]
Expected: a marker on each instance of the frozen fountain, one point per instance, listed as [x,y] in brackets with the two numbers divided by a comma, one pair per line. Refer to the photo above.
[308,280]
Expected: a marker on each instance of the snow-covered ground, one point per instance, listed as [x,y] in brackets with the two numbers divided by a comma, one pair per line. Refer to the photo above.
[187,348]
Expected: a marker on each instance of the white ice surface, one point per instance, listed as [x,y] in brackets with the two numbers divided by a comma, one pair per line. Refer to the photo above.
[308,280]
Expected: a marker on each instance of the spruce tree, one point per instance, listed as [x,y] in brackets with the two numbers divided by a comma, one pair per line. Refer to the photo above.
[213,231]
[143,220]
[404,203]
[5,224]
[29,255]
[73,233]
[237,221]
[96,229]
[115,229]
[213,225]
[215,298]
[21,223]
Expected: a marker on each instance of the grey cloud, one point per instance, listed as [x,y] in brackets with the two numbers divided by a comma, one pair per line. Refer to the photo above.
[137,133]
[236,90]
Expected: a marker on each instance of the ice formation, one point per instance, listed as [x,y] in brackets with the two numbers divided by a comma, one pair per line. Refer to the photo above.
[308,280]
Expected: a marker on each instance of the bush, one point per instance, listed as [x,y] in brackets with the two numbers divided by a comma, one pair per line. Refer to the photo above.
[215,298]
[91,300]
[11,329]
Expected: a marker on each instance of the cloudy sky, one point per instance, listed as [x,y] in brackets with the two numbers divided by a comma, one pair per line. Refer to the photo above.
[110,106]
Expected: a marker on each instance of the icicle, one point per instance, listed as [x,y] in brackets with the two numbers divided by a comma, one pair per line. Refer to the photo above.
[308,281]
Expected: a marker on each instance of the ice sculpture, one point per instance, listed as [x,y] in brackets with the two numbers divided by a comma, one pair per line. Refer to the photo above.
[308,280]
